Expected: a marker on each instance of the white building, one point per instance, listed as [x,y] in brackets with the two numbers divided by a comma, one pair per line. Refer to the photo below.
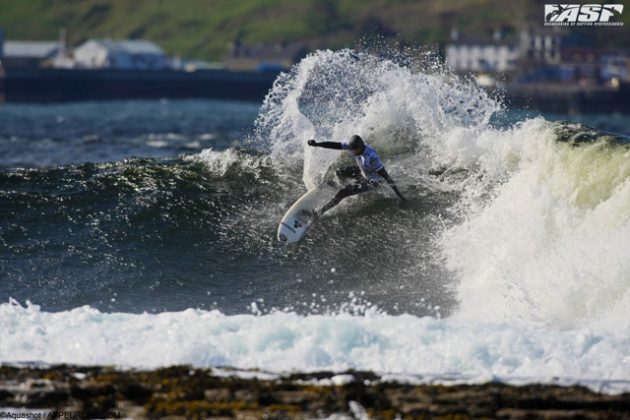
[122,55]
[482,56]
[27,53]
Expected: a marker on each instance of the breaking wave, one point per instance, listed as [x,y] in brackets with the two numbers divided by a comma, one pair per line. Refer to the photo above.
[510,262]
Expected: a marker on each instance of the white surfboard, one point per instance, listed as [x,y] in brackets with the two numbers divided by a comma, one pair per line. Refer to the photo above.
[299,217]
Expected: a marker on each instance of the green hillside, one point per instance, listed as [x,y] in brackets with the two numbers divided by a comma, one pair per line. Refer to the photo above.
[204,28]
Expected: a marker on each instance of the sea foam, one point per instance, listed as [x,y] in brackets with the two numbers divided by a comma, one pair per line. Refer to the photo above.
[282,342]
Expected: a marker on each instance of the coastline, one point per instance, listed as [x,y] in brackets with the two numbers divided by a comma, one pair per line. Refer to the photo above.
[44,85]
[63,391]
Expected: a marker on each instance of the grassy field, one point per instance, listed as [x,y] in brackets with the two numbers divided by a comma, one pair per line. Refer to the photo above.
[204,28]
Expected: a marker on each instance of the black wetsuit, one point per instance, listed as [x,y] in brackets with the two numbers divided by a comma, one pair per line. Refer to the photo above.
[367,175]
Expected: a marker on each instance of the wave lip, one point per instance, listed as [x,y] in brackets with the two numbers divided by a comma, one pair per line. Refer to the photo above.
[400,104]
[401,345]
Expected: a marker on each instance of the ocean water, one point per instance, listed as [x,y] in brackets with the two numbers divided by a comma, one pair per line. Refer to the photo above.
[142,233]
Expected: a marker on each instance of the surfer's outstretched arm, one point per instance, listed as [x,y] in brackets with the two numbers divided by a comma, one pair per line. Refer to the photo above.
[326,144]
[391,183]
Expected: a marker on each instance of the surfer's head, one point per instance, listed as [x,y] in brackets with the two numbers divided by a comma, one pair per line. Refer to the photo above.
[356,145]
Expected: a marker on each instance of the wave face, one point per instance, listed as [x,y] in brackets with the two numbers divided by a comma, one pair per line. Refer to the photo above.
[510,260]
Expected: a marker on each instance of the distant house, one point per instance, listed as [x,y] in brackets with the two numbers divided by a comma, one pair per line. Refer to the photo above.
[474,55]
[27,54]
[121,55]
[538,54]
[556,55]
[616,65]
[542,46]
[264,57]
[585,62]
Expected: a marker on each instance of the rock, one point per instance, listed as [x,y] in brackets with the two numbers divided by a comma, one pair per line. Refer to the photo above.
[182,392]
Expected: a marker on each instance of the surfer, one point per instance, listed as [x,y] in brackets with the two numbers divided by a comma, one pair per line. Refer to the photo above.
[367,175]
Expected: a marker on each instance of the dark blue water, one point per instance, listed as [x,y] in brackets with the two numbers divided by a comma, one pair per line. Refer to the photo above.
[53,135]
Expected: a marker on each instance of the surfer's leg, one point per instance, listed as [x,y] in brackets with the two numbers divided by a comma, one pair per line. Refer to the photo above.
[347,191]
[352,172]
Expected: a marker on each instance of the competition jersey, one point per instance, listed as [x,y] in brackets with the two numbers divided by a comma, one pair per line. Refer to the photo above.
[369,162]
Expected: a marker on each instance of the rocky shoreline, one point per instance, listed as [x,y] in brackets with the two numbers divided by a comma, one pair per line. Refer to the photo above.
[73,392]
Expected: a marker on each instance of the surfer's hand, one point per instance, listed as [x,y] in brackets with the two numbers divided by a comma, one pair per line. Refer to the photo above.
[311,142]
